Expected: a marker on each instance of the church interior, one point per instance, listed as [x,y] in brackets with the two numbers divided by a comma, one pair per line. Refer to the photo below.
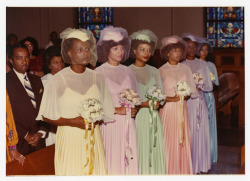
[229,60]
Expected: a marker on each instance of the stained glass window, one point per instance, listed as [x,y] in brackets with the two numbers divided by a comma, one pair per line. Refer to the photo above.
[95,18]
[225,27]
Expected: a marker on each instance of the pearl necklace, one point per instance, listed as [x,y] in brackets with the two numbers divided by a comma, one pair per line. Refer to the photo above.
[172,66]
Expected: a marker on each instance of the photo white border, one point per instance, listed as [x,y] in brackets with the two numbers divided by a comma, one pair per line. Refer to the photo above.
[120,3]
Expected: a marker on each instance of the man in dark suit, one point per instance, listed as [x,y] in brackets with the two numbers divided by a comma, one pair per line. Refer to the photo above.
[25,92]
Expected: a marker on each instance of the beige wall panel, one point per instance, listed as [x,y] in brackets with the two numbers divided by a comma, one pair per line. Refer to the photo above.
[188,19]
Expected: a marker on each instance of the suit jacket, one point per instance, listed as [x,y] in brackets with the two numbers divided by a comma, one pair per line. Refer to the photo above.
[23,110]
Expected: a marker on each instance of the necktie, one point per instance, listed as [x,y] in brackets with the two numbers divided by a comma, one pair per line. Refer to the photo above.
[29,91]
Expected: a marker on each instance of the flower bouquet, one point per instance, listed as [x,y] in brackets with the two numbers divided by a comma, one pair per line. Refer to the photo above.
[128,98]
[155,93]
[212,76]
[91,111]
[182,89]
[199,80]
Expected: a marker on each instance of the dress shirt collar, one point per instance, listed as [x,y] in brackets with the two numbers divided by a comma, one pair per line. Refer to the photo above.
[21,76]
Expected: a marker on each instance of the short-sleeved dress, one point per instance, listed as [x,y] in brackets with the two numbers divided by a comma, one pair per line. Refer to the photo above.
[212,115]
[114,133]
[178,153]
[198,115]
[151,155]
[61,98]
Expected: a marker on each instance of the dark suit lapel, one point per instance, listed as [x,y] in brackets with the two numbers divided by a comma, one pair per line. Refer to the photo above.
[36,89]
[18,86]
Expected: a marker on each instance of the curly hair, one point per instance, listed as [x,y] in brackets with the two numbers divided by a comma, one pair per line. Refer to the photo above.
[103,49]
[53,51]
[136,43]
[165,50]
[34,42]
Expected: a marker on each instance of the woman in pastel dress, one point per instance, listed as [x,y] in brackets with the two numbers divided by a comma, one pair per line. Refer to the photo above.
[174,114]
[151,155]
[119,141]
[198,110]
[60,102]
[204,51]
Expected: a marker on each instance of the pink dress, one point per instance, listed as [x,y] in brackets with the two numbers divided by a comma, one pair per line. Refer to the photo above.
[177,152]
[114,133]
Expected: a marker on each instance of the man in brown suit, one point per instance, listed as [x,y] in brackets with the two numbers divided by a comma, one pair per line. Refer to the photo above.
[25,92]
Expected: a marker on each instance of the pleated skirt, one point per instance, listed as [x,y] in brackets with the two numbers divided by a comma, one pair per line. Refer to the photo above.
[71,153]
[114,139]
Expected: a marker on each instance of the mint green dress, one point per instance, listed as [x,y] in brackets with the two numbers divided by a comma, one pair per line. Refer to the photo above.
[150,139]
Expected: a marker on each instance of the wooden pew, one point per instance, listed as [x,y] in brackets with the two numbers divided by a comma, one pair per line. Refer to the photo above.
[37,163]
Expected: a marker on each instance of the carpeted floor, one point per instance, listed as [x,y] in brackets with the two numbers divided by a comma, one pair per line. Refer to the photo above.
[229,159]
[230,141]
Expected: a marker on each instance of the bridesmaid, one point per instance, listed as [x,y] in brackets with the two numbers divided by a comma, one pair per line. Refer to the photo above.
[74,152]
[151,157]
[204,52]
[112,49]
[198,110]
[177,137]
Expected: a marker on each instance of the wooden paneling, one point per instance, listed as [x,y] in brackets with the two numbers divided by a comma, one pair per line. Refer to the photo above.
[38,163]
[232,60]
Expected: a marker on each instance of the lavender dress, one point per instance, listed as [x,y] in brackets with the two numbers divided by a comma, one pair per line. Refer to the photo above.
[199,124]
[114,134]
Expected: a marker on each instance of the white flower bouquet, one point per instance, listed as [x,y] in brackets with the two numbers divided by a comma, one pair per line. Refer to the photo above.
[91,110]
[198,78]
[212,76]
[129,97]
[156,94]
[183,89]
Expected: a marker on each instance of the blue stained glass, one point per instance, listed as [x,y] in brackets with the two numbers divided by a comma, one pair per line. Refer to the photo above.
[230,13]
[95,28]
[95,15]
[95,18]
[211,13]
[230,34]
[225,27]
[212,33]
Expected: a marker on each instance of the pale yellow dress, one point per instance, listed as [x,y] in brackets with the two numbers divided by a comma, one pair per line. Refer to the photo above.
[70,147]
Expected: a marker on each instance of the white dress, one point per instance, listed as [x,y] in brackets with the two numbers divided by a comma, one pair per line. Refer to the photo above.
[46,78]
[61,98]
[50,140]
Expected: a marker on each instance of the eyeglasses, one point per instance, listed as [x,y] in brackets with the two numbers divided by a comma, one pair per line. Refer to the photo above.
[28,45]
